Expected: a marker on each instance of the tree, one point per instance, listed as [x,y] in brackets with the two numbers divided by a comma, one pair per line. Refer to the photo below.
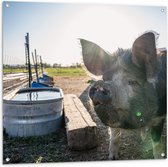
[46,65]
[56,65]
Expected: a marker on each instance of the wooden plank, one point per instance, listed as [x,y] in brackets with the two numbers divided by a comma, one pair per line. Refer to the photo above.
[80,128]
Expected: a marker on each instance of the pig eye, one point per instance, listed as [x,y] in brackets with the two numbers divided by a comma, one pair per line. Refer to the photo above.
[133,83]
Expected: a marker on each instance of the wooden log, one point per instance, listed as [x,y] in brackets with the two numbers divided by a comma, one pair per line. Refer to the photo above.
[80,128]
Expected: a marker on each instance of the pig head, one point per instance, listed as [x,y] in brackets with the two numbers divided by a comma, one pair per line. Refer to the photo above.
[132,92]
[129,94]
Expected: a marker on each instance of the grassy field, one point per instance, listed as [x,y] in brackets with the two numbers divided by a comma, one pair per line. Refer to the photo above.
[72,72]
[16,70]
[75,71]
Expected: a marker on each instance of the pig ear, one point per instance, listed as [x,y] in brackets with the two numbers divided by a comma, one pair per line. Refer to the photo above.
[95,58]
[144,54]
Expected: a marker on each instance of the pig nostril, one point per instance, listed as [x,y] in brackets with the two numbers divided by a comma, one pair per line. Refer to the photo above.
[96,103]
[104,92]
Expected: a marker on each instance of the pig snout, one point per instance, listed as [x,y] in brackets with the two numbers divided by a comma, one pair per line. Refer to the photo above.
[100,95]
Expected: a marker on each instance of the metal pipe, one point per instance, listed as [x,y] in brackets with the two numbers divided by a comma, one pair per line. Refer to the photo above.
[28,58]
[36,65]
[41,65]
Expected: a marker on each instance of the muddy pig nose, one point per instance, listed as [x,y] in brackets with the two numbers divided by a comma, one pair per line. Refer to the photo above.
[100,95]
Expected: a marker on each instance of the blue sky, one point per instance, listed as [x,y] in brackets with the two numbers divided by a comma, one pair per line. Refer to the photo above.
[54,28]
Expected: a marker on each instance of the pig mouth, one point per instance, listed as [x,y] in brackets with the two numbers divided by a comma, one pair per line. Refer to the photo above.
[119,117]
[97,103]
[108,115]
[115,117]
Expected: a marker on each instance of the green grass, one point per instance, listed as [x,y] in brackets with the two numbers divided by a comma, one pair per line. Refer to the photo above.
[10,70]
[71,72]
[15,70]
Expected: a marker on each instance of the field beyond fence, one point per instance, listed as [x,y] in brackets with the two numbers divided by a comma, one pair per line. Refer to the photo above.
[68,71]
[62,71]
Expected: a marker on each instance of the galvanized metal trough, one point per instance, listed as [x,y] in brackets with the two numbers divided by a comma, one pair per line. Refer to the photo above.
[33,112]
[46,79]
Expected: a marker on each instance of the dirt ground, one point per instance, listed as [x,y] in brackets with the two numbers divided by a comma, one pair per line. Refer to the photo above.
[72,85]
[53,148]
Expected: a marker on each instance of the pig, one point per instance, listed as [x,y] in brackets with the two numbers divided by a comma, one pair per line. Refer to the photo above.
[132,92]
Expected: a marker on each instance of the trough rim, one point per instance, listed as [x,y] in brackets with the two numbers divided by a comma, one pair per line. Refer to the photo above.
[5,101]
